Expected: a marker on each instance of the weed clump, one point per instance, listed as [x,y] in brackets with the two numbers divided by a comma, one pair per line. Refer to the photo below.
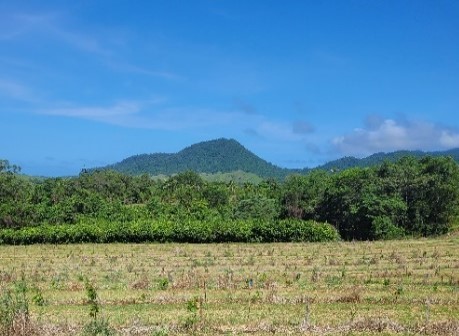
[14,311]
[96,326]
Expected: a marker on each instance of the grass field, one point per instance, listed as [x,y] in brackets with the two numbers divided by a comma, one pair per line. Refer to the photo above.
[357,288]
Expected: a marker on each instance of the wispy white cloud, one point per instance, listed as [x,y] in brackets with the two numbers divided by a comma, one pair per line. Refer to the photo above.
[258,125]
[135,69]
[153,114]
[14,25]
[198,118]
[18,63]
[14,90]
[49,25]
[53,26]
[119,109]
[449,139]
[390,135]
[86,43]
[147,114]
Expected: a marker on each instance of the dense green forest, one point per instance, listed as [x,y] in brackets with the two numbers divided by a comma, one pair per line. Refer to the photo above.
[218,160]
[412,196]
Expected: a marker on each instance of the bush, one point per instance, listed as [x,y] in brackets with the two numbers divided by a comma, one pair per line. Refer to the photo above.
[384,228]
[189,231]
[289,230]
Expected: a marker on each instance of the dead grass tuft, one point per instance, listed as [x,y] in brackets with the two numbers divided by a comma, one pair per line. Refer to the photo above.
[142,283]
[353,296]
[441,328]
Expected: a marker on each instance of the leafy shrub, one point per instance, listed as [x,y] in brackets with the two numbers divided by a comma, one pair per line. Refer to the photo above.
[190,231]
[163,283]
[293,230]
[37,298]
[384,228]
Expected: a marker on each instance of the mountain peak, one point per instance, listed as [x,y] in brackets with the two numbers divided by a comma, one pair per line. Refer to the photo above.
[211,144]
[213,156]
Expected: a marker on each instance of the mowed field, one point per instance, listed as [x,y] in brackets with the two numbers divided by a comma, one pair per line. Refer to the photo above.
[355,288]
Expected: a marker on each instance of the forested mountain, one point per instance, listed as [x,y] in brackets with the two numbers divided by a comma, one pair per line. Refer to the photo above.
[229,156]
[378,158]
[211,157]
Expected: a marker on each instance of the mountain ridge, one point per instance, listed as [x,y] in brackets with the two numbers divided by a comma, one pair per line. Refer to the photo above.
[228,155]
[380,157]
[214,156]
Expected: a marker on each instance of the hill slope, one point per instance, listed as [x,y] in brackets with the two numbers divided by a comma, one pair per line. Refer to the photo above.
[215,156]
[229,156]
[378,158]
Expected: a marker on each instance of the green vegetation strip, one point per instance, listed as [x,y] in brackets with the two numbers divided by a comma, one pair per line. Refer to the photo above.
[409,198]
[192,231]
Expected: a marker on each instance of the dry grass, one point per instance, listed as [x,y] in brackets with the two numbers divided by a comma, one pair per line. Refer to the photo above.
[400,287]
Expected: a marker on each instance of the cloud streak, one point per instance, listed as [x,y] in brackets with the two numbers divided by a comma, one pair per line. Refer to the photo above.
[384,135]
[19,25]
[134,69]
[96,113]
[153,114]
[148,114]
[17,91]
[51,26]
[14,25]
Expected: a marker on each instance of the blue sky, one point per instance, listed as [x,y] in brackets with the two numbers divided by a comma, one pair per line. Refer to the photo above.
[87,83]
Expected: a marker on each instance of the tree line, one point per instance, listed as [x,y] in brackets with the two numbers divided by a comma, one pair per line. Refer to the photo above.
[415,197]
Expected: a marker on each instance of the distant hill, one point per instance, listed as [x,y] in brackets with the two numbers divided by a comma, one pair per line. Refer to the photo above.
[224,159]
[210,157]
[378,158]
